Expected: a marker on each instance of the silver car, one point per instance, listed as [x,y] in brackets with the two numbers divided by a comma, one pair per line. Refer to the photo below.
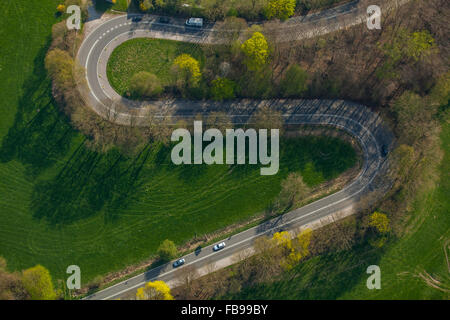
[178,263]
[195,22]
[219,246]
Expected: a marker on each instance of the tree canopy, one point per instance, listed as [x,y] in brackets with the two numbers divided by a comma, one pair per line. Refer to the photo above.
[38,283]
[60,66]
[145,84]
[281,9]
[256,51]
[294,249]
[405,46]
[380,221]
[11,287]
[223,89]
[157,290]
[293,190]
[187,70]
[61,8]
[294,82]
[167,250]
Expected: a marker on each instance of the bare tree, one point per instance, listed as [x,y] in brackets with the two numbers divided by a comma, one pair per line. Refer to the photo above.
[219,120]
[267,118]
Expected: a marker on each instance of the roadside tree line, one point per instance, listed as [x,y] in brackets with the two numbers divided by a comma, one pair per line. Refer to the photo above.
[34,283]
[219,9]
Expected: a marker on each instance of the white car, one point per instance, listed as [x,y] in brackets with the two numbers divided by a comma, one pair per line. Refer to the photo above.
[219,246]
[195,22]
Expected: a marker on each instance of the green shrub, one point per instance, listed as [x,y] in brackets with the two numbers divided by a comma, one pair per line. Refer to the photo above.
[145,85]
[167,250]
[294,83]
[223,89]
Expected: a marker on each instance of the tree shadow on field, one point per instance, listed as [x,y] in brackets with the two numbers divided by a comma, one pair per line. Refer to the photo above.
[40,134]
[162,157]
[90,182]
[326,277]
[334,274]
[79,182]
[191,172]
[186,172]
[238,171]
[327,156]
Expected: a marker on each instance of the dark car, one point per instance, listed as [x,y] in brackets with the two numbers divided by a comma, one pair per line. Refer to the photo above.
[136,19]
[384,150]
[164,19]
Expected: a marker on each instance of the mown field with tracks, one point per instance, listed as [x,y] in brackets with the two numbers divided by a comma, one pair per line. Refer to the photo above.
[62,203]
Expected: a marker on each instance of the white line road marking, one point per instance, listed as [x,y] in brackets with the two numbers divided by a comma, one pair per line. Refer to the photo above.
[240,242]
[288,222]
[87,61]
[358,180]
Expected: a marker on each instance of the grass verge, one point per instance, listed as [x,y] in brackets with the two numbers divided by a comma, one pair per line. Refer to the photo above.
[142,54]
[62,203]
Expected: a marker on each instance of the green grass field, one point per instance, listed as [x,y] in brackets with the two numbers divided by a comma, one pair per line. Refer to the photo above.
[143,54]
[63,204]
[120,5]
[405,263]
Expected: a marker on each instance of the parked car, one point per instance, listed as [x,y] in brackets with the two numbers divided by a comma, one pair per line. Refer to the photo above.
[178,263]
[164,19]
[136,19]
[195,22]
[384,150]
[219,246]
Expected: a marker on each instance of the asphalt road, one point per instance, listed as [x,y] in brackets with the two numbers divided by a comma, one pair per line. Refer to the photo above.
[98,45]
[359,121]
[356,119]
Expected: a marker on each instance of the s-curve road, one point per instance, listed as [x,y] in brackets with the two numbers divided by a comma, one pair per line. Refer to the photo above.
[357,120]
